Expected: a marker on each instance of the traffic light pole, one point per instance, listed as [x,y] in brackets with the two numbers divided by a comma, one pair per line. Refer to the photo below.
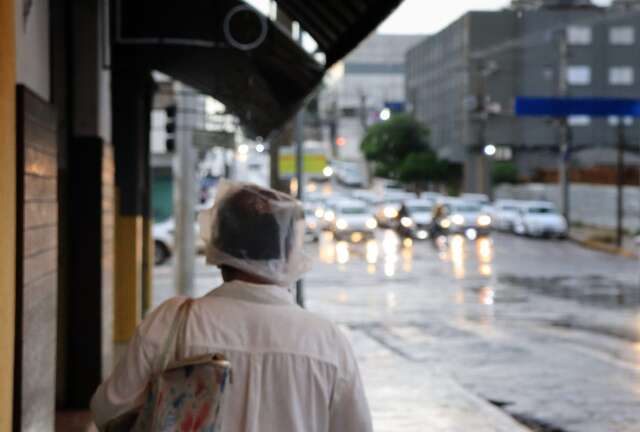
[620,184]
[565,138]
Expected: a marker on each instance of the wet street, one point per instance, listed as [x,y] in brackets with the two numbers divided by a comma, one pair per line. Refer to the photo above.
[470,335]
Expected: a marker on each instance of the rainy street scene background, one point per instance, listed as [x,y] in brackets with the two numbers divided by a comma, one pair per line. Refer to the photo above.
[477,244]
[468,172]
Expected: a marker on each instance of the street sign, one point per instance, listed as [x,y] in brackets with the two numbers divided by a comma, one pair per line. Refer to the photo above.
[563,107]
[205,140]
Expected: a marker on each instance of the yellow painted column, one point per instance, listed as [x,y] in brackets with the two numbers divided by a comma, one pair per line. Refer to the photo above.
[128,276]
[7,209]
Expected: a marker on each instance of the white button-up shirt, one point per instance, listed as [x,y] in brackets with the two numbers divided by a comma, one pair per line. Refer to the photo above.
[292,370]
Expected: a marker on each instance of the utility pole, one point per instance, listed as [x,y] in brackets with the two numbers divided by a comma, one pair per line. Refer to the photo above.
[184,189]
[565,133]
[485,69]
[620,183]
[299,140]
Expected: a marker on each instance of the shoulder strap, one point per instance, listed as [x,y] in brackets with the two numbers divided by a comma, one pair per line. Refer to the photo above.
[175,335]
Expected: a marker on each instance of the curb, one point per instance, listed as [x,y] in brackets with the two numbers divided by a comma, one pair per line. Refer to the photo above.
[604,247]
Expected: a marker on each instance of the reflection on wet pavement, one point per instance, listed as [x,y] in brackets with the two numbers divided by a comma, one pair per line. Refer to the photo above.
[386,251]
[492,313]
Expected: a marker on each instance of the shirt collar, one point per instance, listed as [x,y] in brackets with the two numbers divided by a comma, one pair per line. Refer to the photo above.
[257,293]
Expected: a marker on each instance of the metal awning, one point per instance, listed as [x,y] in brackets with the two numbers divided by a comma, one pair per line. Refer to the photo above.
[226,49]
[338,26]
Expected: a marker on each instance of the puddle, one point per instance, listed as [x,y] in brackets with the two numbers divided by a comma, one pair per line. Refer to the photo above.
[596,290]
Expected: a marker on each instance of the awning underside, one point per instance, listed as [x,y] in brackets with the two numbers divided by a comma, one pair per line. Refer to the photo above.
[196,42]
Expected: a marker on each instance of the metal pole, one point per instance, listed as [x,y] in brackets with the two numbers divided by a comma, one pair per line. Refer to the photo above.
[184,190]
[620,184]
[298,134]
[565,150]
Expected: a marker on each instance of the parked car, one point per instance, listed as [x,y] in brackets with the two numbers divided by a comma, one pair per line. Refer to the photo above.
[540,219]
[505,214]
[464,217]
[164,240]
[352,220]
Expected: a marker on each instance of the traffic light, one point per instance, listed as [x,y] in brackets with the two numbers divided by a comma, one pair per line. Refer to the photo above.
[170,128]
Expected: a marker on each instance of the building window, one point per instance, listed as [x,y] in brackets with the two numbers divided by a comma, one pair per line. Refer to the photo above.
[579,75]
[622,35]
[579,35]
[579,120]
[615,121]
[621,75]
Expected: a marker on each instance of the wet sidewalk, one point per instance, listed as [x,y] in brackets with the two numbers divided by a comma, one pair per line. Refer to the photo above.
[604,240]
[407,396]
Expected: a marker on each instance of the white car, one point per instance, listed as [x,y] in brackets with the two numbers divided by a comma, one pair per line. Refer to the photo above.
[464,217]
[387,211]
[420,216]
[312,222]
[505,214]
[481,199]
[540,219]
[352,220]
[164,239]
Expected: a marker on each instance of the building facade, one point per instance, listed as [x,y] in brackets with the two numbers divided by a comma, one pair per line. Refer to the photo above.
[369,78]
[463,83]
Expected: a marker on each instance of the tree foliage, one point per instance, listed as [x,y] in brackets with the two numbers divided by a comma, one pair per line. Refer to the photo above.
[399,149]
[504,172]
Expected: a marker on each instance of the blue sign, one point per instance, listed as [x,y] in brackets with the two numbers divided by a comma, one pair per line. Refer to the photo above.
[395,107]
[563,107]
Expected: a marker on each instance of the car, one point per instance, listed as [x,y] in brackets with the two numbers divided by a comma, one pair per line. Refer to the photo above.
[419,214]
[464,217]
[352,220]
[163,234]
[387,211]
[505,214]
[540,219]
[481,199]
[429,195]
[312,223]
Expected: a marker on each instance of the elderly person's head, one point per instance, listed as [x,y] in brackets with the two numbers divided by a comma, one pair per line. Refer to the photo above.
[257,232]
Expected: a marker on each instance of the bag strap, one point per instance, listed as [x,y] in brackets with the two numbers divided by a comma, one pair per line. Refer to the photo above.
[176,333]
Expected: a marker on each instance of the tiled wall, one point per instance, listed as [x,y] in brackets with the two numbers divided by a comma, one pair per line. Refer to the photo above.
[36,291]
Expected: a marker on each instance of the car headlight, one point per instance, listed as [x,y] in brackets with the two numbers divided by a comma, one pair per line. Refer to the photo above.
[312,225]
[341,224]
[390,213]
[445,223]
[329,216]
[319,213]
[371,223]
[406,222]
[457,219]
[484,220]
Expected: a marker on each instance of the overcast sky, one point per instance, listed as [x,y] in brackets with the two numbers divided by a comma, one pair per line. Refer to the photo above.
[424,16]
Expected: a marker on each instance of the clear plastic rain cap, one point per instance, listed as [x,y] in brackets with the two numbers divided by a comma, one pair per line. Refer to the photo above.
[257,230]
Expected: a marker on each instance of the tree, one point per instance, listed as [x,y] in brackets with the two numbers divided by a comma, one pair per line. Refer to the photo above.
[387,144]
[504,172]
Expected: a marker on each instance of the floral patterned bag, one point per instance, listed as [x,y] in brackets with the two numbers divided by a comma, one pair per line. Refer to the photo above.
[188,394]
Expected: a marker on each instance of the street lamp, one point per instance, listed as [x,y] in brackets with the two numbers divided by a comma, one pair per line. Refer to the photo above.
[385,114]
[327,171]
[490,150]
[259,148]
